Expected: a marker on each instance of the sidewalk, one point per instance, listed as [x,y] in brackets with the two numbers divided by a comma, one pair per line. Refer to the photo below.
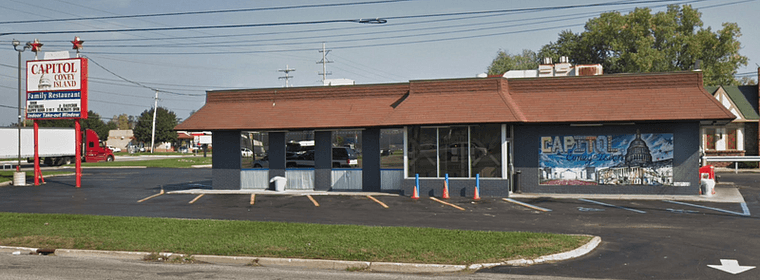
[724,193]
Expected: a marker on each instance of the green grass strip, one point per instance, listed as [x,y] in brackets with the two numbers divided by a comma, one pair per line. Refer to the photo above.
[276,239]
[180,162]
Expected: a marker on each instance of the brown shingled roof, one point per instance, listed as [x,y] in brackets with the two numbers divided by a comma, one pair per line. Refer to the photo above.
[633,97]
[625,97]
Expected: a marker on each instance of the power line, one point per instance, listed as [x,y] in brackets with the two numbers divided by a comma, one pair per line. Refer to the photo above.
[360,20]
[199,27]
[204,12]
[138,83]
[286,77]
[367,34]
[376,38]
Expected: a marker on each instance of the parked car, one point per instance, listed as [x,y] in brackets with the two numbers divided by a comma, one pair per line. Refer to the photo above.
[344,157]
[114,149]
[245,152]
[341,157]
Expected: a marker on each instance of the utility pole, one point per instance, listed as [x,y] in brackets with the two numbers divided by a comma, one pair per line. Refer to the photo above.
[21,106]
[287,78]
[324,63]
[153,134]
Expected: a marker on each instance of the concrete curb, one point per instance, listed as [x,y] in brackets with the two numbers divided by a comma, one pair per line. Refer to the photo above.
[580,251]
[22,250]
[316,263]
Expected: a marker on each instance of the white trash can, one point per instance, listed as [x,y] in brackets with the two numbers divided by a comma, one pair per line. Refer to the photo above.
[19,178]
[707,186]
[279,183]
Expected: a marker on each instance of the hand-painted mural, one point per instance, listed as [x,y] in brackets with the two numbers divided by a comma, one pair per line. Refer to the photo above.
[629,159]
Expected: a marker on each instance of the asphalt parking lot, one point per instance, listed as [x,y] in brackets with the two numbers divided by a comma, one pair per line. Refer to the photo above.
[641,238]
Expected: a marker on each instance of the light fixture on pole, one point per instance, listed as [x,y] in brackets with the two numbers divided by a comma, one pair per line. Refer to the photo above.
[16,47]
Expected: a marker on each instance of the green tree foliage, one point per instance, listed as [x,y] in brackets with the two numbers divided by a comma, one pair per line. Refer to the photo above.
[505,62]
[92,121]
[747,81]
[165,122]
[640,41]
[121,122]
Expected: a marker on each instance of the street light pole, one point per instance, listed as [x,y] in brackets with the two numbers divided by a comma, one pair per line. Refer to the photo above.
[16,45]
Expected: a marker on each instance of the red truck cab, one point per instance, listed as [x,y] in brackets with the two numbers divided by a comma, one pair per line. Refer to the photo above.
[94,150]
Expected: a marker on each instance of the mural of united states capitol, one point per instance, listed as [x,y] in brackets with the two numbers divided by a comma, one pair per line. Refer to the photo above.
[628,159]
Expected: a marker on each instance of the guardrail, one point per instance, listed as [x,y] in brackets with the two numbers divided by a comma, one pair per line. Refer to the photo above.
[735,159]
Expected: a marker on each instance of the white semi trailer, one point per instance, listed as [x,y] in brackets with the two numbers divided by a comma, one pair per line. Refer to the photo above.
[56,145]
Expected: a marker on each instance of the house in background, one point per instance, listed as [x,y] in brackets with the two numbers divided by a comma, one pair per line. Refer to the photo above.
[120,138]
[739,137]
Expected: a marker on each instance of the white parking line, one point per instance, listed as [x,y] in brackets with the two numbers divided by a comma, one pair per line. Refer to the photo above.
[527,205]
[745,209]
[613,206]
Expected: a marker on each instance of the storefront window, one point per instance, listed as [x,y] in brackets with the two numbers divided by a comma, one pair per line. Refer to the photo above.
[485,147]
[253,148]
[459,151]
[423,147]
[347,148]
[452,152]
[392,148]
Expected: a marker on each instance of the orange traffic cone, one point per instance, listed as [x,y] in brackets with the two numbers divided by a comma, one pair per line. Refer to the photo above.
[446,187]
[477,187]
[415,195]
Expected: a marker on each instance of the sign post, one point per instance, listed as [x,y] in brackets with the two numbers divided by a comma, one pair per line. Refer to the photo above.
[57,89]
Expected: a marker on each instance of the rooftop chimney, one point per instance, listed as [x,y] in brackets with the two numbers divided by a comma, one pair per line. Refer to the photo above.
[546,69]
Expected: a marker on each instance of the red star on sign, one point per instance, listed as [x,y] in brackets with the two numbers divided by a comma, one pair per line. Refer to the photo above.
[36,46]
[77,43]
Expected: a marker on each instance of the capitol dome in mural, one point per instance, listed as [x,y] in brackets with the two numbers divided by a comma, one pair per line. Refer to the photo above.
[638,153]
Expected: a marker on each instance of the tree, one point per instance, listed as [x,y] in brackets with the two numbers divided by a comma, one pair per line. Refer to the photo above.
[92,121]
[121,122]
[747,81]
[505,62]
[673,40]
[165,122]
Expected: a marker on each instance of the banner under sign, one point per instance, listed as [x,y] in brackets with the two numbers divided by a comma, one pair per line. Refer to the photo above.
[56,89]
[629,159]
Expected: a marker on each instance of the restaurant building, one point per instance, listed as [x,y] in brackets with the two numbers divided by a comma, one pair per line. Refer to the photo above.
[606,134]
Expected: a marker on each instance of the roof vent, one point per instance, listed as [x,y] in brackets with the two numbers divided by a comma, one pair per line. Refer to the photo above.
[588,70]
[563,68]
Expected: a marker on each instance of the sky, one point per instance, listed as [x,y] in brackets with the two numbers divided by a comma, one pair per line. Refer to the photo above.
[420,39]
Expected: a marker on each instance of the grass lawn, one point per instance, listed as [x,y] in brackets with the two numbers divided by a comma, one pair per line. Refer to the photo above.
[6,176]
[276,239]
[183,162]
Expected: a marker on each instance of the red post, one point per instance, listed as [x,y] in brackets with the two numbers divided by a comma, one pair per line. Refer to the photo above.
[77,131]
[37,172]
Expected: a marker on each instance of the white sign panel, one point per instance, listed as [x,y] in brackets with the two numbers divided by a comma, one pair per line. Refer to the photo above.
[54,75]
[56,89]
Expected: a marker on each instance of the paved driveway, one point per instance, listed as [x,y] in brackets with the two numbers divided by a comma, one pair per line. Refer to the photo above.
[641,238]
